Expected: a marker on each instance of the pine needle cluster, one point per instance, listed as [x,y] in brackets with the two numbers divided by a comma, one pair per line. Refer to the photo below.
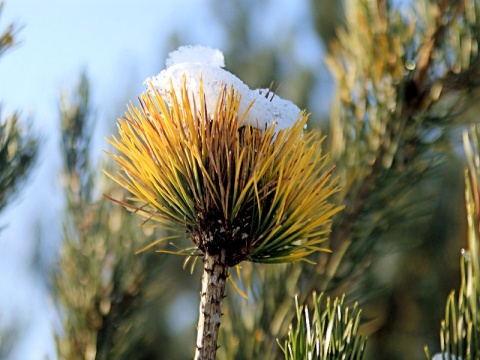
[238,192]
[18,147]
[460,329]
[331,331]
[257,194]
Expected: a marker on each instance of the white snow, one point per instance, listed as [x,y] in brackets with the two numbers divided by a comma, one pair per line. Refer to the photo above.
[442,356]
[197,62]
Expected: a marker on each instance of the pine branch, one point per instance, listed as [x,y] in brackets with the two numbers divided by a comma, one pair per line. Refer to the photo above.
[460,329]
[8,38]
[400,79]
[18,152]
[240,177]
[18,147]
[330,332]
[389,142]
[104,290]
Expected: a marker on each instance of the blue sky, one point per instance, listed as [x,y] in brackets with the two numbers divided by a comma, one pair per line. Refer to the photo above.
[109,38]
[119,43]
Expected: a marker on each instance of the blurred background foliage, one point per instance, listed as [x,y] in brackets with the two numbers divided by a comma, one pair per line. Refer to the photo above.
[18,147]
[18,153]
[404,84]
[460,328]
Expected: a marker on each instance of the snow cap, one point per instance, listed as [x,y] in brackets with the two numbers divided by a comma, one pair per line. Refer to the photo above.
[198,62]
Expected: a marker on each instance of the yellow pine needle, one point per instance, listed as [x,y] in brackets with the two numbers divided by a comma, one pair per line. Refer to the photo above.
[237,289]
[156,242]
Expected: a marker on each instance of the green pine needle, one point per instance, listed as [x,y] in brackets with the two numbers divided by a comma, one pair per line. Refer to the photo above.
[460,330]
[330,332]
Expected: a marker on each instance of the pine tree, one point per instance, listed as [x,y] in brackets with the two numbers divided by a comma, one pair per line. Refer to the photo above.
[18,147]
[406,82]
[18,152]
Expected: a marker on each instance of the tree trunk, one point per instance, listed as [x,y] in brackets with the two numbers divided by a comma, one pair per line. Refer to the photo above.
[215,273]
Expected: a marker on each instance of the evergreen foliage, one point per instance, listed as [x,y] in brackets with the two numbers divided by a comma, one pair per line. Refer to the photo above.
[241,192]
[330,332]
[107,295]
[406,81]
[460,329]
[18,152]
[18,147]
[403,80]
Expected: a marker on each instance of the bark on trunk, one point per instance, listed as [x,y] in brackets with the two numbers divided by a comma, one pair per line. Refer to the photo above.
[215,273]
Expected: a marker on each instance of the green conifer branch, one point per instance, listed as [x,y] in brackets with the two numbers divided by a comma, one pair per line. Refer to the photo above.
[460,329]
[400,79]
[105,292]
[391,87]
[18,152]
[329,332]
[18,147]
